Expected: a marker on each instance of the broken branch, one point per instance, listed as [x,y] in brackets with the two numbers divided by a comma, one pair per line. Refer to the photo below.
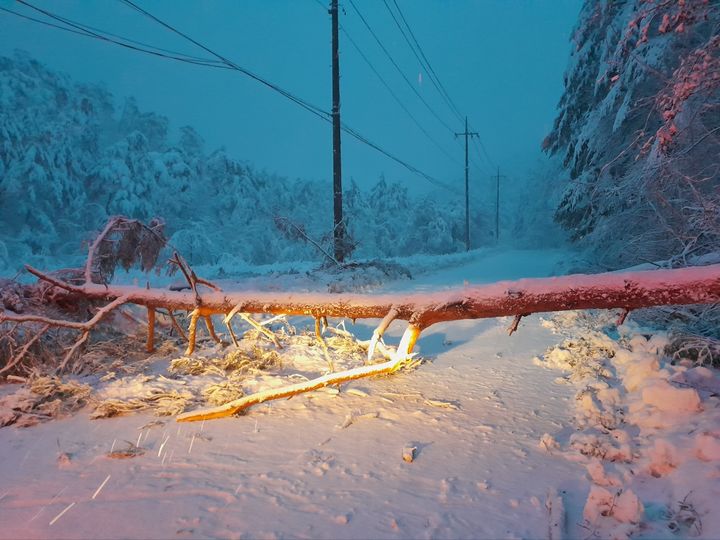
[89,263]
[516,322]
[264,331]
[150,343]
[211,328]
[379,331]
[176,326]
[403,353]
[192,331]
[323,345]
[20,355]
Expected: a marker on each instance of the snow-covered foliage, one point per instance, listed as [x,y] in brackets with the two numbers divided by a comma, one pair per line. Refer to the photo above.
[637,130]
[529,208]
[69,158]
[645,429]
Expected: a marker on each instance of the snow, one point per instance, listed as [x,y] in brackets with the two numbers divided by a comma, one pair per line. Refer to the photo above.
[69,149]
[522,436]
[667,398]
[654,425]
[620,506]
[289,469]
[615,125]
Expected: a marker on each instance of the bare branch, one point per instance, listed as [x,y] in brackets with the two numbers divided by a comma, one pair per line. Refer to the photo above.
[150,343]
[285,222]
[111,224]
[21,354]
[516,322]
[176,326]
[53,281]
[403,353]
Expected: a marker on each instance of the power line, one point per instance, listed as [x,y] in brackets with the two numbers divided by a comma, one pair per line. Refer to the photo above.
[421,58]
[84,30]
[396,98]
[204,62]
[477,160]
[425,63]
[317,111]
[304,104]
[428,67]
[485,154]
[79,30]
[33,19]
[397,67]
[431,179]
[478,165]
[392,93]
[345,127]
[92,30]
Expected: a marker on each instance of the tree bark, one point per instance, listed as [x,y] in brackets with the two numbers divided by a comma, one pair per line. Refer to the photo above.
[624,290]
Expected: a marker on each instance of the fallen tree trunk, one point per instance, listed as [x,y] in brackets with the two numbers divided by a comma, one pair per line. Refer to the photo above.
[624,290]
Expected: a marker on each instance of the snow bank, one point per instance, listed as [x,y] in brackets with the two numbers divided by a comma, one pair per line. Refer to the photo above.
[648,432]
[618,505]
[667,398]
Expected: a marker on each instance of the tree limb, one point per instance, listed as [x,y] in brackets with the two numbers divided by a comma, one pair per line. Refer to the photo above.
[628,290]
[403,353]
[20,355]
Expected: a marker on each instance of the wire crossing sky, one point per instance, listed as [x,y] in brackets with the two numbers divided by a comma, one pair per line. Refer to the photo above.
[500,62]
[89,31]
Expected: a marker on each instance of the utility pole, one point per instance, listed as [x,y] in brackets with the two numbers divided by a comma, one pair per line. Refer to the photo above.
[467,135]
[497,204]
[339,226]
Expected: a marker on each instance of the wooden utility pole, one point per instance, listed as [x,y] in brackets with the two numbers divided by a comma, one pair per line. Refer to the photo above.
[467,135]
[497,204]
[339,225]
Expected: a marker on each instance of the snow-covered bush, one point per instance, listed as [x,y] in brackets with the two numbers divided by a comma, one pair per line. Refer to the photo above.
[69,159]
[194,244]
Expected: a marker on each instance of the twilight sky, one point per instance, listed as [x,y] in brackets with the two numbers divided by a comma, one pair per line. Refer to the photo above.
[501,61]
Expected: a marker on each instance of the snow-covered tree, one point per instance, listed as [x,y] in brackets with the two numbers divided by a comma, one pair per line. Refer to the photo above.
[69,159]
[637,130]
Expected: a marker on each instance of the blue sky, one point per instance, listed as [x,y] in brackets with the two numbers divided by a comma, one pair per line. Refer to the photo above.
[501,61]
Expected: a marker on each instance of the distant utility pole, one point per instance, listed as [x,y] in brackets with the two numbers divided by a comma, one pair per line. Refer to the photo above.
[339,228]
[497,204]
[467,135]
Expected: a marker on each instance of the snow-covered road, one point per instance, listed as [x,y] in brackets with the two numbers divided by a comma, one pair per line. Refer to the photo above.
[486,266]
[289,470]
[328,464]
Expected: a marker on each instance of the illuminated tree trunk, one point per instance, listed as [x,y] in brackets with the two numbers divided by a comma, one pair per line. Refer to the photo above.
[624,290]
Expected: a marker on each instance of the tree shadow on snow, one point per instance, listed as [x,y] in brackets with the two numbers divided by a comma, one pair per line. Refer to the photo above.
[434,344]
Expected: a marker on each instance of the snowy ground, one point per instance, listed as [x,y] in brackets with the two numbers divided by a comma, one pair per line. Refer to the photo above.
[595,438]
